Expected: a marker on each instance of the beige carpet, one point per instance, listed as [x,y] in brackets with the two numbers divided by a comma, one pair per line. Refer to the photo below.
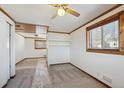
[33,73]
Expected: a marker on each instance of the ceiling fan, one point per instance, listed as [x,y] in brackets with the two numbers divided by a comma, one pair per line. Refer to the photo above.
[62,9]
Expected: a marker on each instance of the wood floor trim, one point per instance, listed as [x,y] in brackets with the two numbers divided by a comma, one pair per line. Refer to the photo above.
[4,85]
[29,58]
[92,76]
[20,61]
[34,57]
[12,77]
[70,64]
[59,64]
[74,66]
[8,81]
[83,72]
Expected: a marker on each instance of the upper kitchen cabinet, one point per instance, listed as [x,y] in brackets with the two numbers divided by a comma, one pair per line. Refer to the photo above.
[28,28]
[41,29]
[31,31]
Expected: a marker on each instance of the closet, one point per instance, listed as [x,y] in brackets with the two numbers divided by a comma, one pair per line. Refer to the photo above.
[7,59]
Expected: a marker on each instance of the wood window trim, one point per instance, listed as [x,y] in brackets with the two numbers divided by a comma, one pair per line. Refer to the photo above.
[101,23]
[105,21]
[115,7]
[106,51]
[40,41]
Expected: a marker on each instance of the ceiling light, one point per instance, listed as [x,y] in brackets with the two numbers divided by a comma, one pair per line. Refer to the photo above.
[61,12]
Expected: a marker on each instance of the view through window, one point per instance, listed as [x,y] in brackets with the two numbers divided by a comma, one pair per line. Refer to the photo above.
[105,36]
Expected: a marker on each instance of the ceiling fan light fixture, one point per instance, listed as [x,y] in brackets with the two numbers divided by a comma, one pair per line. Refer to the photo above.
[61,12]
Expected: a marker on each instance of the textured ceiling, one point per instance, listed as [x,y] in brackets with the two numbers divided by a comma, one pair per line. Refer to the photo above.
[41,14]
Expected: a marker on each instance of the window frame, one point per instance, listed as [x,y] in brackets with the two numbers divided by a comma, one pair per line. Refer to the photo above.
[90,39]
[102,23]
[42,41]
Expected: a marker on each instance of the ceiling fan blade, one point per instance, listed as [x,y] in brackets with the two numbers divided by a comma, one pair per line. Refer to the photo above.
[55,15]
[63,4]
[58,5]
[72,12]
[55,5]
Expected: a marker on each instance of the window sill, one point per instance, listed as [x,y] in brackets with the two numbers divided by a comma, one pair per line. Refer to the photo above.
[106,51]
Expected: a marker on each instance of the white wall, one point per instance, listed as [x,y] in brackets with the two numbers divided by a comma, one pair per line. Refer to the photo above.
[58,48]
[19,47]
[97,64]
[30,50]
[4,62]
[25,46]
[25,49]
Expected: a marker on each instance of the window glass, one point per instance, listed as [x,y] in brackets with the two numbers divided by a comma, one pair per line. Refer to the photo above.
[95,38]
[40,44]
[105,36]
[110,35]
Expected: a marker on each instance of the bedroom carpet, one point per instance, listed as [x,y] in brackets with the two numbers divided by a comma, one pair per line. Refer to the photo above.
[33,73]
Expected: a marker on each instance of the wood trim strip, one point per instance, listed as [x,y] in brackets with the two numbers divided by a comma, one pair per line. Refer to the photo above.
[58,32]
[59,64]
[28,58]
[104,51]
[35,38]
[105,21]
[20,61]
[118,5]
[2,10]
[32,37]
[91,76]
[12,77]
[4,86]
[83,72]
[47,27]
[32,24]
[34,57]
[121,34]
[19,34]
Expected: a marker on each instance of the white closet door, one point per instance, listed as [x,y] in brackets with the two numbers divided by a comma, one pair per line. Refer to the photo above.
[8,51]
[4,52]
[5,49]
[2,64]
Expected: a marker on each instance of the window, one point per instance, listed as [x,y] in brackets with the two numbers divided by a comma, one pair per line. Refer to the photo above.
[111,35]
[96,38]
[40,44]
[107,36]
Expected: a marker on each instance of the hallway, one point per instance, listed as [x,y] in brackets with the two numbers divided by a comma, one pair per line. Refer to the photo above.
[34,73]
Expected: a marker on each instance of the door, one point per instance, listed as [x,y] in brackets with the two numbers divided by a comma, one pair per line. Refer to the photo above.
[8,50]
